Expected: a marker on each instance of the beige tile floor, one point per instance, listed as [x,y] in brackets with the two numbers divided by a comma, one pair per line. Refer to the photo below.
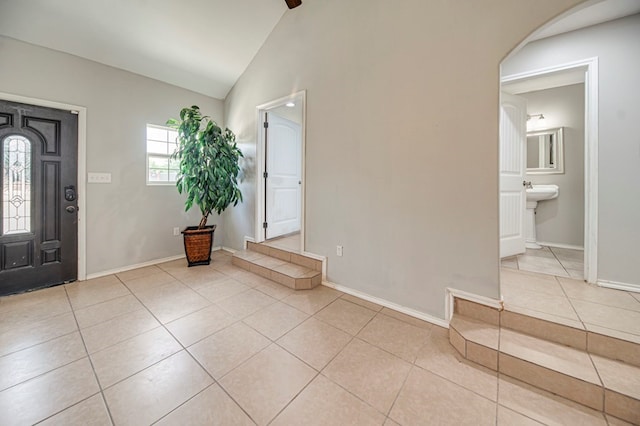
[218,345]
[549,260]
[572,302]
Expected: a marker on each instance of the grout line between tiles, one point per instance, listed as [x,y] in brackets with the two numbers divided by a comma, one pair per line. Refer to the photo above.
[93,368]
[193,358]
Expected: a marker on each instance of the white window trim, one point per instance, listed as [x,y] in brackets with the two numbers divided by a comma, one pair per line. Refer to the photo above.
[153,182]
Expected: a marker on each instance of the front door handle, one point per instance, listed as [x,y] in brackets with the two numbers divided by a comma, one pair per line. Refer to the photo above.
[70,209]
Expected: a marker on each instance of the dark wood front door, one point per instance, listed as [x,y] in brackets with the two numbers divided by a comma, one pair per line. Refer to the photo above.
[38,206]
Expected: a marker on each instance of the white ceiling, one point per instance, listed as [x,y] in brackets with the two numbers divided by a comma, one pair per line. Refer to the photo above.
[201,45]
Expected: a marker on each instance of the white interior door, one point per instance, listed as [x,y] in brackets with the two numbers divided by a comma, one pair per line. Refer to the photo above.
[513,137]
[283,176]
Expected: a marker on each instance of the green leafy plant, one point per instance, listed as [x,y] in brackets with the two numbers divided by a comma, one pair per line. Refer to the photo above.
[208,159]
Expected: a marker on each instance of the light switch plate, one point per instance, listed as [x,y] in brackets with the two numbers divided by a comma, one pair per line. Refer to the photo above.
[99,177]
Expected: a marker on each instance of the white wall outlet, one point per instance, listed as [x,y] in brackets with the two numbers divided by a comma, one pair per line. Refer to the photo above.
[99,177]
[176,231]
[339,250]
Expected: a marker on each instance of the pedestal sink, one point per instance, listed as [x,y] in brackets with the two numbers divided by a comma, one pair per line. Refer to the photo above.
[535,194]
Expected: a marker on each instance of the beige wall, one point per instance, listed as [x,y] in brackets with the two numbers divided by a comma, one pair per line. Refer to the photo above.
[402,137]
[615,44]
[128,222]
[561,220]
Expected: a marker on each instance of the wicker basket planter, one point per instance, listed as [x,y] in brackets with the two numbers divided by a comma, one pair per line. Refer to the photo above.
[197,244]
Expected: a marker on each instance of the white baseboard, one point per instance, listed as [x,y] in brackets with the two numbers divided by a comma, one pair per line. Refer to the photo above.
[558,245]
[142,265]
[402,309]
[619,286]
[228,249]
[451,293]
[247,240]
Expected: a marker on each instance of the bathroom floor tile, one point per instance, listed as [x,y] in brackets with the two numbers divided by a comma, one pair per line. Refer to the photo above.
[580,290]
[544,252]
[512,281]
[568,254]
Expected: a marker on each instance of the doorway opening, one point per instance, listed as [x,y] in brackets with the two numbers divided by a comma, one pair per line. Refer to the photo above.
[581,72]
[280,170]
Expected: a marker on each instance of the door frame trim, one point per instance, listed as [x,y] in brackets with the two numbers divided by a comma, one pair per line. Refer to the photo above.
[82,167]
[260,158]
[590,153]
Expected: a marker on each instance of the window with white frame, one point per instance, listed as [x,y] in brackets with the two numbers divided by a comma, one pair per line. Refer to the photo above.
[161,143]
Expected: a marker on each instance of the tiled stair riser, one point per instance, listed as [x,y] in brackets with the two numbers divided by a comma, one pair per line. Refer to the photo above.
[294,258]
[476,342]
[289,269]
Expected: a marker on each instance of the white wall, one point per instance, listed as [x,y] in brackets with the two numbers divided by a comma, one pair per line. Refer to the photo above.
[616,46]
[561,220]
[402,137]
[128,222]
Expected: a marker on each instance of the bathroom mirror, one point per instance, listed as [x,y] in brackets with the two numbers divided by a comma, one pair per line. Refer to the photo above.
[545,152]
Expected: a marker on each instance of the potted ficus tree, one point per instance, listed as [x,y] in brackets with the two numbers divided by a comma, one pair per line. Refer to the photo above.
[208,172]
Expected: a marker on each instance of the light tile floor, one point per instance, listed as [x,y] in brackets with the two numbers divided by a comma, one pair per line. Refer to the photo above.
[218,345]
[572,302]
[549,260]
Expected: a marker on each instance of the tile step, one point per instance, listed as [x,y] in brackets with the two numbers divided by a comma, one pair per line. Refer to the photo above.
[285,272]
[596,381]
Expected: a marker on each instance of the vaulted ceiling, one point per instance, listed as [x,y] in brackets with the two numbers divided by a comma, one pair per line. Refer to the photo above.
[201,45]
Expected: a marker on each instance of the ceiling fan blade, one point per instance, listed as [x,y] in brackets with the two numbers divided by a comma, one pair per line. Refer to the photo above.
[293,3]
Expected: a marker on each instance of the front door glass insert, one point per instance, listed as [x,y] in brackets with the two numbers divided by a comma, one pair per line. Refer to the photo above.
[16,185]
